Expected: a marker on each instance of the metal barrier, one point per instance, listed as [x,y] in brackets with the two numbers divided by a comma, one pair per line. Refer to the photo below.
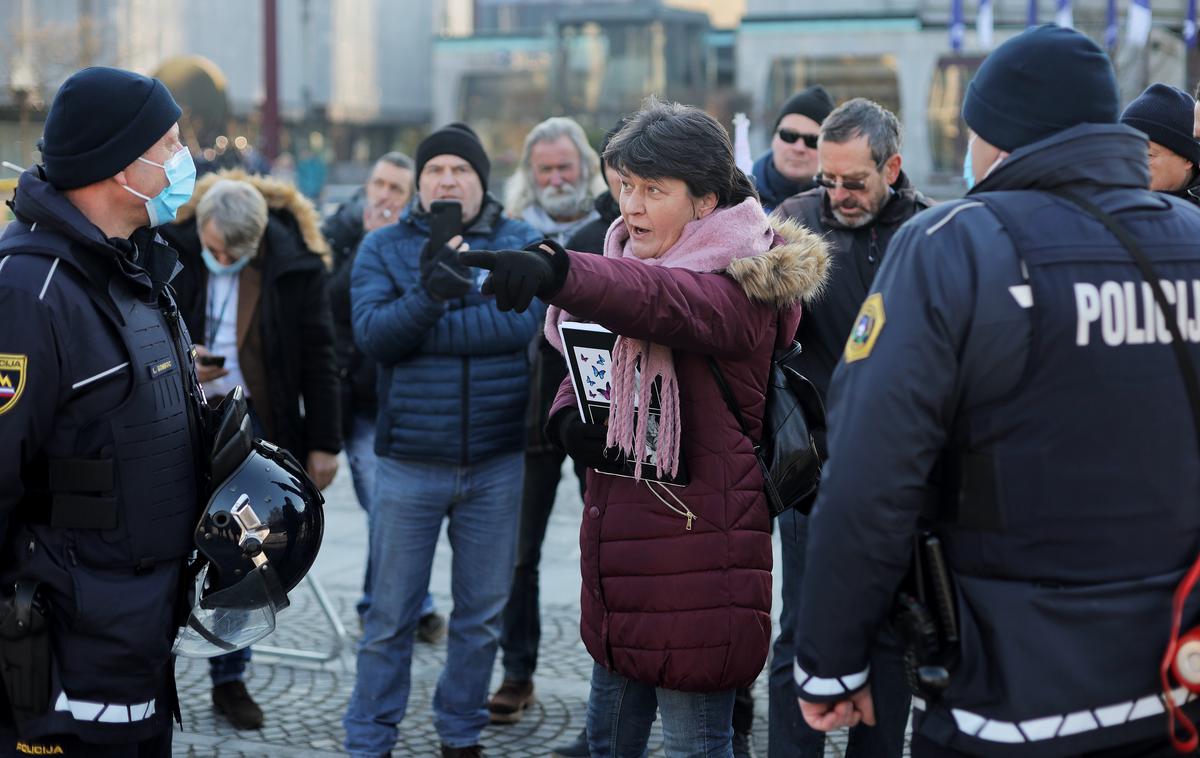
[327,610]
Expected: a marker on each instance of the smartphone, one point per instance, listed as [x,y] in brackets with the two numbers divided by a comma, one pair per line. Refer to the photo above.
[211,360]
[445,222]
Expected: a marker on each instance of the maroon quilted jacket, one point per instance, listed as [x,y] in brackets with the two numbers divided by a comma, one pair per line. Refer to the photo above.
[689,609]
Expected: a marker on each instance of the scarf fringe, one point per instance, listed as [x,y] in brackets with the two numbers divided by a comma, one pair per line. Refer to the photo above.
[623,433]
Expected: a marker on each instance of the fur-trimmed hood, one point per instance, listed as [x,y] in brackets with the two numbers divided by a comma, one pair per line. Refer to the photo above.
[280,196]
[793,270]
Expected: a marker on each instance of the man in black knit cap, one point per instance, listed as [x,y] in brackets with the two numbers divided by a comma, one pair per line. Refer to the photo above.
[790,165]
[450,440]
[1166,115]
[100,413]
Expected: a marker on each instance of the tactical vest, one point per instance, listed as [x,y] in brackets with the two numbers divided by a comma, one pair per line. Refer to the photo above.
[130,496]
[1088,472]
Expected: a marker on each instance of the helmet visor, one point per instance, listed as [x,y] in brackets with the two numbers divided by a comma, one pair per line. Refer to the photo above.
[232,619]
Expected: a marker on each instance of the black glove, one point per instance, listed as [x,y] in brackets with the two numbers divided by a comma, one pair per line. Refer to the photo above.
[443,274]
[518,275]
[584,442]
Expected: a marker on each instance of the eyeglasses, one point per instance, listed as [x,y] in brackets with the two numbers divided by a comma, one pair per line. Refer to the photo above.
[790,136]
[850,185]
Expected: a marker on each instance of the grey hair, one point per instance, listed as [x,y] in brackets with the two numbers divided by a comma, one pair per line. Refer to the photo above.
[521,189]
[239,212]
[397,159]
[862,117]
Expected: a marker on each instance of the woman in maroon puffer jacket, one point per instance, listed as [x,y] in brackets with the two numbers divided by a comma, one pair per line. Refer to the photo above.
[676,595]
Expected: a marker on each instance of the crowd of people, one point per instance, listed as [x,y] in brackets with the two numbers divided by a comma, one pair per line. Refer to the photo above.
[1008,378]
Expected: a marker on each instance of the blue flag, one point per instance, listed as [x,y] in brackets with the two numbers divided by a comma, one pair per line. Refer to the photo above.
[1110,26]
[1138,23]
[1063,15]
[957,26]
[985,24]
[1189,25]
[1031,17]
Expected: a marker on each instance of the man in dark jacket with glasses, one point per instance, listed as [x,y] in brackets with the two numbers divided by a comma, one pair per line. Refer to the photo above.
[862,198]
[788,167]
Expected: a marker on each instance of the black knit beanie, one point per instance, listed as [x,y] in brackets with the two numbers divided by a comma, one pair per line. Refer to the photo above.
[455,139]
[814,102]
[1165,114]
[1040,82]
[101,120]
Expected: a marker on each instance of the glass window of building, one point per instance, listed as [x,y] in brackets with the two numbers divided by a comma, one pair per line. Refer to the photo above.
[947,132]
[844,76]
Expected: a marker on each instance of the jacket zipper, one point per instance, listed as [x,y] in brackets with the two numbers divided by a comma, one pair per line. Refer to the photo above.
[466,405]
[686,512]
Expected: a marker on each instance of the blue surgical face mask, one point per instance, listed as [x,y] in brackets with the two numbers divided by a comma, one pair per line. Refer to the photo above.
[968,170]
[181,180]
[217,268]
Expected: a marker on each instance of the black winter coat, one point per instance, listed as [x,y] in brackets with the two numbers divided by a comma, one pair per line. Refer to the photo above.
[296,330]
[356,371]
[854,257]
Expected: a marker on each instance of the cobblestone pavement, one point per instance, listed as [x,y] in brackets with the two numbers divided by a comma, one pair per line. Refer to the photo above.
[303,700]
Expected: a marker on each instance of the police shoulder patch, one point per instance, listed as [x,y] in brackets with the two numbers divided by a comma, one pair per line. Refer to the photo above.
[867,326]
[12,380]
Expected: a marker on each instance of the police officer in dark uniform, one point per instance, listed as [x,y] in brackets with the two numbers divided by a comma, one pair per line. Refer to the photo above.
[1007,376]
[100,417]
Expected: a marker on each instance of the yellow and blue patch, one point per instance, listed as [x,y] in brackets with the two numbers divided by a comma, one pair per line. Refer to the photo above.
[867,326]
[12,380]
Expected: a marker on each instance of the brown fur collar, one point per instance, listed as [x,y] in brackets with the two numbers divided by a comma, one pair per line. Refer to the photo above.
[787,273]
[280,196]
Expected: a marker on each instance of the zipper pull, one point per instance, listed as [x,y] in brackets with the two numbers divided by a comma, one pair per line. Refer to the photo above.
[690,518]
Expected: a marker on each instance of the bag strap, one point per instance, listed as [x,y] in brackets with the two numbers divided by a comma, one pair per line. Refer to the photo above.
[730,402]
[1191,381]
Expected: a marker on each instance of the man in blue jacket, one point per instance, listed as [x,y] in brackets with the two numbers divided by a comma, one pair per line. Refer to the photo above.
[453,383]
[1011,379]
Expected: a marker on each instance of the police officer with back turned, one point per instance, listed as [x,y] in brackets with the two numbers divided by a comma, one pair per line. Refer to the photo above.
[1010,408]
[100,418]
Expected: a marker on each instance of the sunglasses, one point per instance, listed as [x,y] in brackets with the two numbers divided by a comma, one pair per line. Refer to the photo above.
[850,185]
[790,136]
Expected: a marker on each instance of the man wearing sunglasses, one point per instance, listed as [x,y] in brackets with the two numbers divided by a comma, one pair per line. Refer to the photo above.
[789,166]
[862,198]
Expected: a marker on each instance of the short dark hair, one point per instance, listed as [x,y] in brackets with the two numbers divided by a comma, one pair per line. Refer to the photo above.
[397,159]
[862,117]
[675,141]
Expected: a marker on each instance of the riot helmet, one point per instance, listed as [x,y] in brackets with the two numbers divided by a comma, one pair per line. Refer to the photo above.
[256,539]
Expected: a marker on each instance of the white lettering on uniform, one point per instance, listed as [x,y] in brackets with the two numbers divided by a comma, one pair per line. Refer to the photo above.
[1087,303]
[1134,335]
[1128,314]
[1112,313]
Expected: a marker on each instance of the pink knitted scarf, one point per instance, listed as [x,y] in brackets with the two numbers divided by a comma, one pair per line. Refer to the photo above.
[706,245]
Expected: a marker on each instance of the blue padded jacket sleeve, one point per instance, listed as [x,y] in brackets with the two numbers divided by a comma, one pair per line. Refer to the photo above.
[391,312]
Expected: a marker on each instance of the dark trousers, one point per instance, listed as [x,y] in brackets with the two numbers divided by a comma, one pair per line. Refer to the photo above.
[788,735]
[522,631]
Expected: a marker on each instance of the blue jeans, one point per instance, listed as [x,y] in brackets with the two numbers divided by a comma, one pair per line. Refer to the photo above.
[230,667]
[360,452]
[413,497]
[621,711]
[788,734]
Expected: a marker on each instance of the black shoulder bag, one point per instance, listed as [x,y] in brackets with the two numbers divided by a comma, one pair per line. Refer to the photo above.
[793,420]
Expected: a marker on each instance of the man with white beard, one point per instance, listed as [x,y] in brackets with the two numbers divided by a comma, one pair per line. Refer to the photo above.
[557,180]
[553,191]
